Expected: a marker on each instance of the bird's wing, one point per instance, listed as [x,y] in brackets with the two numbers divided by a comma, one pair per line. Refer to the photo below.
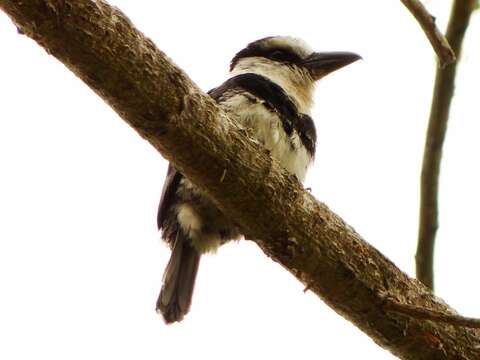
[172,180]
[169,191]
[173,177]
[216,93]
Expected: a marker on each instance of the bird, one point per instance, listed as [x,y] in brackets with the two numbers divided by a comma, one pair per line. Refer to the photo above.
[270,91]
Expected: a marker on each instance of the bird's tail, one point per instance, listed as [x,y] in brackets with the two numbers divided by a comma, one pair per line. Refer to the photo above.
[178,281]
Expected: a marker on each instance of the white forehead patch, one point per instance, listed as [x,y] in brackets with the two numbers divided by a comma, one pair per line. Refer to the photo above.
[297,45]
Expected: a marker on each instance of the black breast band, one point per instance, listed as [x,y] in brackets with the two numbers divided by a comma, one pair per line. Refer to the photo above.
[277,99]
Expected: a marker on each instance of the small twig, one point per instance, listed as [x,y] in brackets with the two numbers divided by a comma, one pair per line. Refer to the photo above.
[439,43]
[426,314]
[437,127]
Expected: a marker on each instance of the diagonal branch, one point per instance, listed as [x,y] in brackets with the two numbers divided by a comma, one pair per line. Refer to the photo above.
[100,45]
[427,22]
[437,127]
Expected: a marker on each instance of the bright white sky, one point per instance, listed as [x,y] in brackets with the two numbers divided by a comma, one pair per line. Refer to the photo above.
[80,257]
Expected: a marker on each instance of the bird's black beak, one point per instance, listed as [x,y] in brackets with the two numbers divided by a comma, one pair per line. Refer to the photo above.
[321,64]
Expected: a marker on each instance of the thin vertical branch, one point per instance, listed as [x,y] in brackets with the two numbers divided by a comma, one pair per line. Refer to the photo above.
[437,127]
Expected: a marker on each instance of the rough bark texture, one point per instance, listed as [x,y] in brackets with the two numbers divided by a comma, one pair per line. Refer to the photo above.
[158,100]
[437,128]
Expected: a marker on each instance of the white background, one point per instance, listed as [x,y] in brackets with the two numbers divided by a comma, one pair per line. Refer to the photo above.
[80,258]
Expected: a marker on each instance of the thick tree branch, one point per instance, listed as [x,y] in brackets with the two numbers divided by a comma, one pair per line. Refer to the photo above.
[159,101]
[437,127]
[427,22]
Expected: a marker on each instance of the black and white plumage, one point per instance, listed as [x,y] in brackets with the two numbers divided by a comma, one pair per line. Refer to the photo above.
[271,92]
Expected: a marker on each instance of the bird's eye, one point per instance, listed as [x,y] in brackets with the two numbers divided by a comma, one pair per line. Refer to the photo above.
[284,56]
[278,55]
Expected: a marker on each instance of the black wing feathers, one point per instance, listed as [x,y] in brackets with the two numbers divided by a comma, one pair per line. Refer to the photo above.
[168,193]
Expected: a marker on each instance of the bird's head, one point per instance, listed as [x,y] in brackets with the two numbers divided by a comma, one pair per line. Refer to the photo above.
[290,63]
